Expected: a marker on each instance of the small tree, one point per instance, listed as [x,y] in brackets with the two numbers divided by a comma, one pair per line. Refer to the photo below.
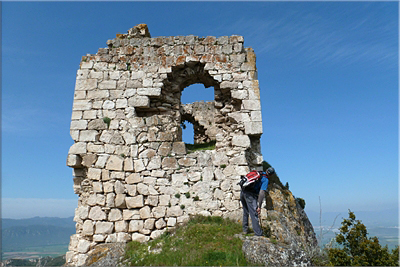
[356,248]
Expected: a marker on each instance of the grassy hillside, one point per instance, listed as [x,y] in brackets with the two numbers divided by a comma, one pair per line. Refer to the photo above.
[203,241]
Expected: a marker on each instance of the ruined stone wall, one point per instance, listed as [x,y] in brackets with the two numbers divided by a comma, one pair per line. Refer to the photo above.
[201,115]
[132,172]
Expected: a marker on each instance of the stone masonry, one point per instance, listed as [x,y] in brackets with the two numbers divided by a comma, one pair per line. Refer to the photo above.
[131,170]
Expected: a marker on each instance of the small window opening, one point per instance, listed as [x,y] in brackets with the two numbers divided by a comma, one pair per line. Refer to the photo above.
[197,116]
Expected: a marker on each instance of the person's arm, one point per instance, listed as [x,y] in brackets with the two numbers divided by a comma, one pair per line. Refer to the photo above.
[261,197]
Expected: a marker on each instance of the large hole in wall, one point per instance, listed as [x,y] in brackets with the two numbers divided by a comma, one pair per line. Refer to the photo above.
[197,114]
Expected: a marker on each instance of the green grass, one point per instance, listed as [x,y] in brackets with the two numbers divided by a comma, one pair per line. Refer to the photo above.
[203,241]
[197,147]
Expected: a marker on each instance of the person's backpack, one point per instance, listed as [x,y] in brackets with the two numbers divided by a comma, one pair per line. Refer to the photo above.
[248,181]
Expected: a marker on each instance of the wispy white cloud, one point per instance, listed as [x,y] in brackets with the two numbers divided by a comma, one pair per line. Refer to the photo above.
[19,208]
[307,36]
[27,119]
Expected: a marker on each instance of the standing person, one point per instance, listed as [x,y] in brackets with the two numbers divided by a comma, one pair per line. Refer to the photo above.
[251,198]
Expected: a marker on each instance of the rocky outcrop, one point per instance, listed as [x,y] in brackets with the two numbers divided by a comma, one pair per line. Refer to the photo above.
[290,237]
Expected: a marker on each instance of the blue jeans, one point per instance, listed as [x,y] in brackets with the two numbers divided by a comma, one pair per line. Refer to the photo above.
[249,203]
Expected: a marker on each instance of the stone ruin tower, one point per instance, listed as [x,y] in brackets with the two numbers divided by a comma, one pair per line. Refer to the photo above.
[133,174]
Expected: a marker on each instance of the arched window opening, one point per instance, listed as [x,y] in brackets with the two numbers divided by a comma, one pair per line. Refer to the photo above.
[197,114]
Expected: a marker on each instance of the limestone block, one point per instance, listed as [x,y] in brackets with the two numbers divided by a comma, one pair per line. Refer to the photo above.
[130,214]
[123,237]
[99,238]
[253,128]
[218,194]
[159,211]
[238,160]
[92,148]
[78,148]
[149,180]
[142,189]
[179,179]
[129,138]
[74,161]
[137,75]
[135,225]
[152,191]
[115,163]
[160,223]
[158,173]
[94,174]
[229,171]
[226,185]
[111,238]
[117,175]
[104,227]
[120,201]
[110,200]
[145,212]
[239,94]
[97,214]
[79,125]
[228,85]
[171,222]
[88,160]
[82,212]
[108,187]
[131,189]
[105,175]
[108,84]
[74,135]
[256,116]
[139,101]
[115,215]
[149,224]
[81,259]
[254,90]
[219,158]
[156,234]
[231,205]
[241,141]
[88,228]
[134,151]
[134,178]
[242,170]
[208,174]
[82,105]
[121,226]
[101,160]
[155,163]
[108,104]
[164,149]
[152,92]
[151,201]
[97,187]
[97,124]
[119,187]
[139,165]
[169,163]
[83,246]
[140,237]
[85,84]
[174,211]
[251,105]
[179,148]
[134,202]
[165,137]
[164,200]
[187,162]
[100,200]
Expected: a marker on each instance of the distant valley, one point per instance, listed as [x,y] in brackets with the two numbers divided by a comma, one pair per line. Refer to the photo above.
[36,237]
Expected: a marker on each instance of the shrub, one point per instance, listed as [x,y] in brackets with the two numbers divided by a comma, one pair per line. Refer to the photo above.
[356,248]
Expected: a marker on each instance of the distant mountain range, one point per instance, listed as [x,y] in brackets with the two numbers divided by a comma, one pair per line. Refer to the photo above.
[22,234]
[371,219]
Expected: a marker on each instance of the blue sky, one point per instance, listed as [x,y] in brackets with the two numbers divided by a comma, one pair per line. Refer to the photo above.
[328,74]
